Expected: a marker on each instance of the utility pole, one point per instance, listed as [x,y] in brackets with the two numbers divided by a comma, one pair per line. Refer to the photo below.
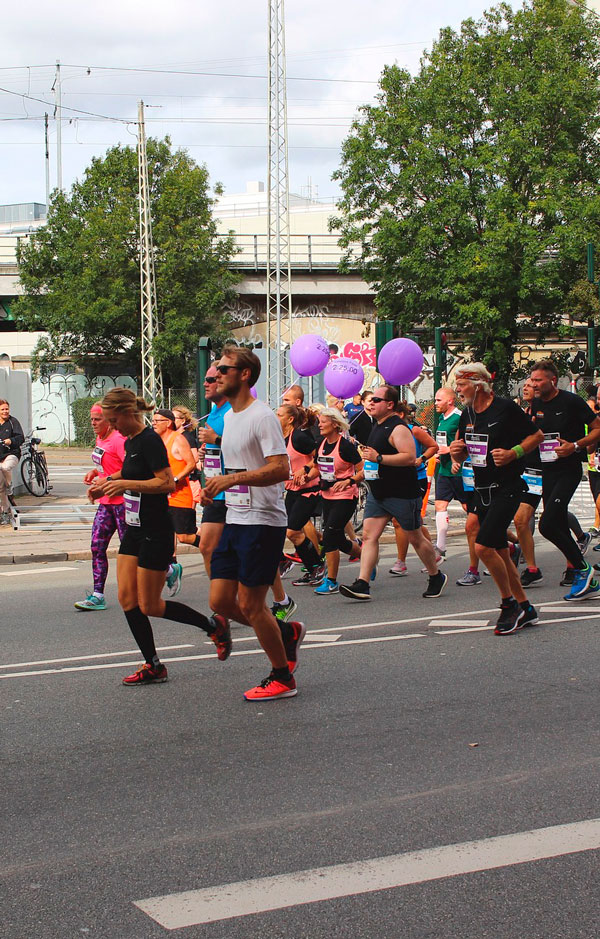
[152,386]
[58,117]
[47,162]
[279,292]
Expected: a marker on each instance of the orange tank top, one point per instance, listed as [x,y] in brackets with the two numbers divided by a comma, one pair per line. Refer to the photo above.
[182,497]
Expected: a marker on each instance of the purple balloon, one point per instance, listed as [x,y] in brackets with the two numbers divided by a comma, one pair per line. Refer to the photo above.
[344,378]
[400,361]
[309,354]
[253,392]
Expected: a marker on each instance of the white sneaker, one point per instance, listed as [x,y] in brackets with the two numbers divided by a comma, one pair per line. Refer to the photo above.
[399,569]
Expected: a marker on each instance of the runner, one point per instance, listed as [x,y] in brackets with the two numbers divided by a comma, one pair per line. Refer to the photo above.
[11,438]
[496,434]
[186,424]
[530,500]
[569,426]
[245,562]
[339,465]
[107,455]
[213,514]
[144,480]
[181,502]
[389,469]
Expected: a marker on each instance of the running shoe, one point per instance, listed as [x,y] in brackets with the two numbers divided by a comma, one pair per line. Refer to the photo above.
[510,619]
[531,578]
[147,675]
[311,578]
[399,569]
[293,644]
[581,582]
[469,579]
[359,590]
[593,590]
[354,560]
[285,566]
[283,611]
[327,586]
[91,603]
[294,557]
[594,532]
[567,577]
[271,688]
[173,582]
[515,553]
[221,636]
[584,543]
[5,518]
[596,547]
[530,617]
[440,557]
[436,584]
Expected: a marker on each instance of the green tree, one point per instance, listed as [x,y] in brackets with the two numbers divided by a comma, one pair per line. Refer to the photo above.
[80,273]
[473,187]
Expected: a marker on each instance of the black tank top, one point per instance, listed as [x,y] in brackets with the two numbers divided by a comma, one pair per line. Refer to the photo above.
[399,482]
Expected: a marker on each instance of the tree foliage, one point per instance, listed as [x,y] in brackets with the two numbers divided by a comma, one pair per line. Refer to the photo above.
[80,273]
[473,187]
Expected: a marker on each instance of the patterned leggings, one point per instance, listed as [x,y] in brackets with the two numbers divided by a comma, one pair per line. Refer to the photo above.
[108,519]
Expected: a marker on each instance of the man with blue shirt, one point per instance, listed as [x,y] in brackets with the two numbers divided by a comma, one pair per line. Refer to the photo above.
[213,515]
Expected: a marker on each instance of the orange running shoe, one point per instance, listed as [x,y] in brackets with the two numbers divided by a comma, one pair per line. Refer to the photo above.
[221,637]
[147,675]
[271,688]
[292,645]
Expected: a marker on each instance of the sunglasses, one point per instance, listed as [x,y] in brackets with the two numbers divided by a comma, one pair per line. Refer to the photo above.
[376,400]
[210,381]
[160,420]
[223,369]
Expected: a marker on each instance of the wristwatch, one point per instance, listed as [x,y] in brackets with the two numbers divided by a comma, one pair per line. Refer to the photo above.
[379,458]
[176,478]
[109,479]
[577,447]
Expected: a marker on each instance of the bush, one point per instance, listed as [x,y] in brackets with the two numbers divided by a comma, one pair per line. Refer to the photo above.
[84,435]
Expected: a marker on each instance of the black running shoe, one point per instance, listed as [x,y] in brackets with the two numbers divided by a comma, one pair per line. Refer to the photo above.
[530,617]
[311,578]
[436,584]
[359,590]
[567,577]
[532,578]
[510,619]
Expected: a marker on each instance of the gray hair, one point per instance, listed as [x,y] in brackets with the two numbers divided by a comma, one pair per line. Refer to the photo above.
[336,417]
[475,372]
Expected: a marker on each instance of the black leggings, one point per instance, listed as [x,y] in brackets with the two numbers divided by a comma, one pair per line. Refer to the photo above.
[336,514]
[557,491]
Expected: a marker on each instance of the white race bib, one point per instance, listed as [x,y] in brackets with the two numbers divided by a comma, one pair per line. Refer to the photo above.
[548,448]
[97,454]
[371,469]
[477,445]
[238,496]
[441,438]
[467,476]
[212,463]
[326,466]
[132,501]
[533,478]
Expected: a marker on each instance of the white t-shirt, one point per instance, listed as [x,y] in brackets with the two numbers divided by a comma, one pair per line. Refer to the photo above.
[249,436]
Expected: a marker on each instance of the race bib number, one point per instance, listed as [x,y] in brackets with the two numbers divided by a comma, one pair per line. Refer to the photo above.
[132,501]
[326,468]
[548,448]
[97,454]
[441,438]
[212,463]
[477,445]
[468,477]
[533,478]
[238,496]
[371,469]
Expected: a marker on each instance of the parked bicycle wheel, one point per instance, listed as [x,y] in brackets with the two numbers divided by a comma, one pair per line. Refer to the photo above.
[34,477]
[358,517]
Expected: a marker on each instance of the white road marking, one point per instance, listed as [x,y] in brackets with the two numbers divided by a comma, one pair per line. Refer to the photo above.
[226,901]
[322,637]
[462,629]
[548,622]
[28,572]
[98,655]
[571,609]
[452,622]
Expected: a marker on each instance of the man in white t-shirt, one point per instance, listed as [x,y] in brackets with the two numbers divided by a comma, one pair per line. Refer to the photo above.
[245,562]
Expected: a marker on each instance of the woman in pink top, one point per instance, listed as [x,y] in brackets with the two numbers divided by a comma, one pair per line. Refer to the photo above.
[107,456]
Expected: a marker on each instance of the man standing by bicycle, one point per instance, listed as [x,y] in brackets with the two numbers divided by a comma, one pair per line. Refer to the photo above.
[11,438]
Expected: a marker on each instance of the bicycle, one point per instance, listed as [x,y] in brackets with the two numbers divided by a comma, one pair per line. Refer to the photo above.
[34,469]
[358,517]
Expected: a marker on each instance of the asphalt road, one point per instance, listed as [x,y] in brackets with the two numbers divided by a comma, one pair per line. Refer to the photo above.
[393,746]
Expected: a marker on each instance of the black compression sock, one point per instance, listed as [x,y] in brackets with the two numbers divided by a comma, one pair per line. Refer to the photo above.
[139,625]
[282,674]
[307,554]
[196,541]
[180,613]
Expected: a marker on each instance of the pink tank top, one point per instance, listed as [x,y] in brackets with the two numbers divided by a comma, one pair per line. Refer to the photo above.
[333,469]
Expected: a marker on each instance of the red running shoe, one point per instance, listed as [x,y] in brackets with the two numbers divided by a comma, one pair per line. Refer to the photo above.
[221,637]
[147,675]
[293,644]
[270,688]
[294,558]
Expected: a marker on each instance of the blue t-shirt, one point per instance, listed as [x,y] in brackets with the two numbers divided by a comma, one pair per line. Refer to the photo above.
[215,420]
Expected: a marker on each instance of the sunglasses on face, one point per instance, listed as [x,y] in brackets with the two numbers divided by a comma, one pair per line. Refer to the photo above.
[160,420]
[223,369]
[210,381]
[375,400]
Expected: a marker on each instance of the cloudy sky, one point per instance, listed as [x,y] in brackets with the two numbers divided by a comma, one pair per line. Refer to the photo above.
[201,69]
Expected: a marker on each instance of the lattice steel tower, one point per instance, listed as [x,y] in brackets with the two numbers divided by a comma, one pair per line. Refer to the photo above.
[152,385]
[279,293]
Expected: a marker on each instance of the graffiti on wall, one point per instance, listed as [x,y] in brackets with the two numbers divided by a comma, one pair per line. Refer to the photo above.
[52,398]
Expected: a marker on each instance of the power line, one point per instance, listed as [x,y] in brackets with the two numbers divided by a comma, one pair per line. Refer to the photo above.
[160,71]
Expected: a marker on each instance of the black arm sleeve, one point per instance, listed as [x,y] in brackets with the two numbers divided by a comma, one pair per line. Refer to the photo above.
[303,442]
[348,452]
